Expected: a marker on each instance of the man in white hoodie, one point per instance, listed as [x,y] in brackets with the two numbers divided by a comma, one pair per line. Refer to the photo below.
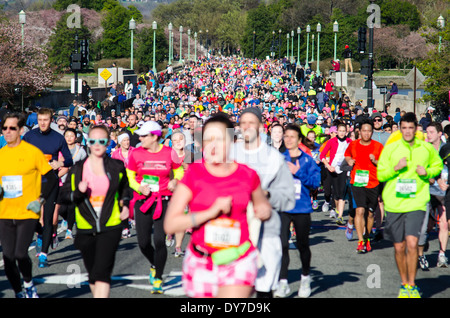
[278,184]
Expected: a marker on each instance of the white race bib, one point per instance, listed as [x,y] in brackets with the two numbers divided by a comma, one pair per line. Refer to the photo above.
[361,178]
[223,233]
[12,186]
[406,188]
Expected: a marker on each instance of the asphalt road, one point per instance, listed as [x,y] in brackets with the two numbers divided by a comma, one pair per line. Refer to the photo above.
[337,270]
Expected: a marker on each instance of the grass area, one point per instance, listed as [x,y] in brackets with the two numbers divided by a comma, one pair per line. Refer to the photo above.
[391,73]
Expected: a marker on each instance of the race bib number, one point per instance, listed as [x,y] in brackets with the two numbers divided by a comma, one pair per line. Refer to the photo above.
[222,233]
[298,189]
[152,182]
[97,203]
[12,186]
[361,178]
[406,188]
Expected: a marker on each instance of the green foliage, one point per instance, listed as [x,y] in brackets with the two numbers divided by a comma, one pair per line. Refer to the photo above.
[96,5]
[437,69]
[62,43]
[144,51]
[394,12]
[116,40]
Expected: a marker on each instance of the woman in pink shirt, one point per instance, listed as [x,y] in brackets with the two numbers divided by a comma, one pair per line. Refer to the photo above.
[149,171]
[220,260]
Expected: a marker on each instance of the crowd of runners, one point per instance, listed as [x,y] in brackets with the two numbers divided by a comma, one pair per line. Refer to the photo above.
[228,155]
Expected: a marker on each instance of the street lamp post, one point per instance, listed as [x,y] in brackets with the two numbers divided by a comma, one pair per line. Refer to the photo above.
[292,46]
[308,30]
[335,30]
[279,43]
[207,45]
[22,21]
[272,49]
[298,45]
[287,44]
[319,29]
[195,46]
[189,44]
[312,48]
[132,27]
[170,42]
[254,34]
[441,25]
[154,26]
[181,43]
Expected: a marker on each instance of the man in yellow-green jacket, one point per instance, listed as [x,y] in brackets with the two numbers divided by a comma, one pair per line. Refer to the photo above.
[406,166]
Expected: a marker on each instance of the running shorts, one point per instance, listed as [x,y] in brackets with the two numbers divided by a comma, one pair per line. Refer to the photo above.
[202,279]
[400,225]
[366,197]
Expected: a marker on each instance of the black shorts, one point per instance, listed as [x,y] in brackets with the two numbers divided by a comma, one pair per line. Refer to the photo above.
[366,197]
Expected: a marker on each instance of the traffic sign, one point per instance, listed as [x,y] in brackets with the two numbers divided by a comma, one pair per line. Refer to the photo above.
[420,78]
[105,74]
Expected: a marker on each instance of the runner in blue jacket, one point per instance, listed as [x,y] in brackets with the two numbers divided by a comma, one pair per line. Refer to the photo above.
[306,175]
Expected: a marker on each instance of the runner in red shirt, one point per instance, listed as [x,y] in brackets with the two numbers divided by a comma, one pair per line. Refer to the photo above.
[362,154]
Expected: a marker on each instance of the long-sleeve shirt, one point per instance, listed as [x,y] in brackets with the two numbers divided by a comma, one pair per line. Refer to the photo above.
[405,190]
[51,143]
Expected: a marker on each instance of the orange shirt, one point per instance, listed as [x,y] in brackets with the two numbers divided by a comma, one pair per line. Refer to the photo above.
[360,153]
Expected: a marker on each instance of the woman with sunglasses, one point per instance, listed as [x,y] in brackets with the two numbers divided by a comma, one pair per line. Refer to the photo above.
[220,260]
[149,171]
[98,186]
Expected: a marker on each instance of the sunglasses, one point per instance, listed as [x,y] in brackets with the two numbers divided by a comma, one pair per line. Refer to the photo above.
[378,119]
[10,128]
[101,141]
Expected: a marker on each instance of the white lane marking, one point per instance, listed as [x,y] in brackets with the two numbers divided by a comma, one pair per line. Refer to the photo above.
[172,282]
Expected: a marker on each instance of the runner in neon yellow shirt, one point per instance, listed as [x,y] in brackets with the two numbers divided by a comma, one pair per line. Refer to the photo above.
[406,166]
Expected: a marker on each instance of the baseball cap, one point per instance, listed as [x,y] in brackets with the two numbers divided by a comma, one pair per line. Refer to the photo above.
[374,115]
[311,119]
[254,110]
[149,127]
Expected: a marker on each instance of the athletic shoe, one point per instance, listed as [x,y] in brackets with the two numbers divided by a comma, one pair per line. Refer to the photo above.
[332,213]
[169,240]
[43,262]
[55,241]
[378,236]
[31,292]
[63,226]
[305,287]
[315,205]
[283,289]
[404,292]
[126,233]
[178,252]
[157,286]
[340,221]
[361,249]
[38,245]
[325,207]
[152,275]
[368,246]
[69,235]
[349,232]
[21,294]
[423,263]
[442,261]
[414,292]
